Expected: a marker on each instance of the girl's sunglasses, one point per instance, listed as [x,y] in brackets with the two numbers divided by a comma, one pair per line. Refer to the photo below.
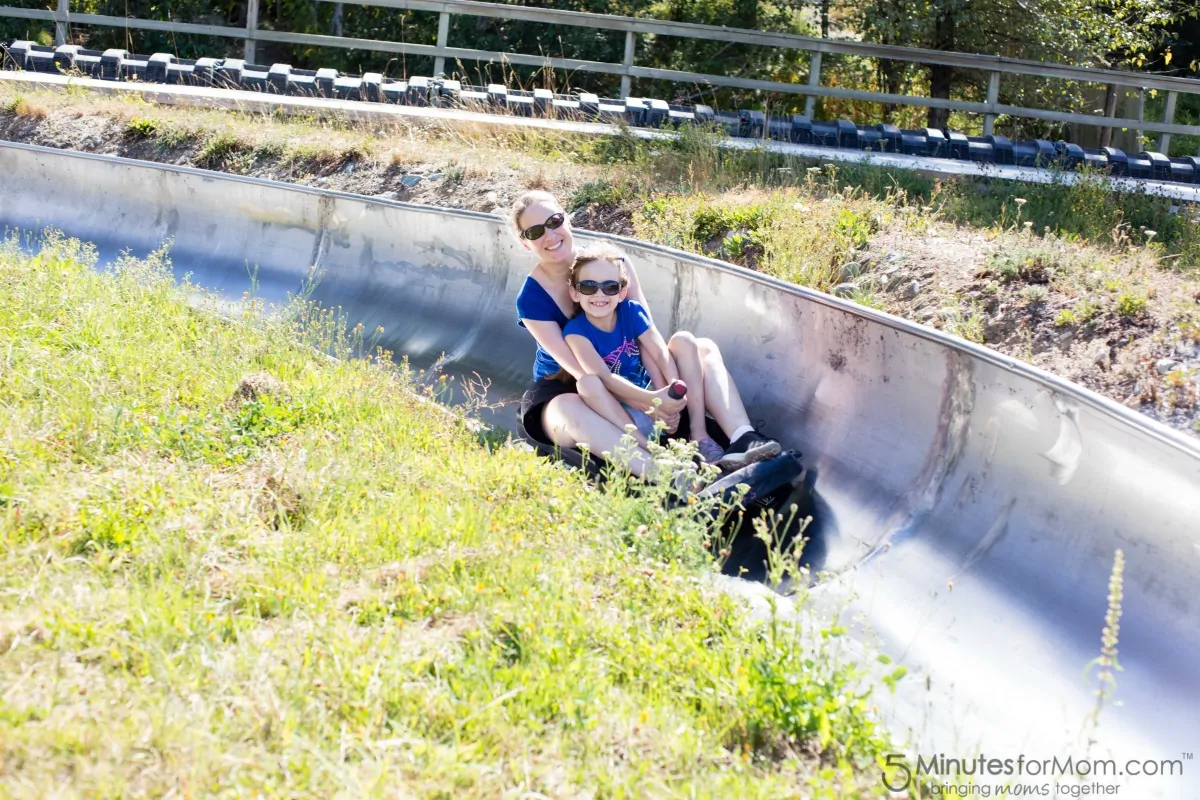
[553,222]
[610,288]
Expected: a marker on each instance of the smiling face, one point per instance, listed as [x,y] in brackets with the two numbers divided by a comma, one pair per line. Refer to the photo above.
[554,247]
[598,305]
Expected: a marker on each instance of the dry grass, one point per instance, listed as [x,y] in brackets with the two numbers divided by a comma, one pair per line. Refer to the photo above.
[24,107]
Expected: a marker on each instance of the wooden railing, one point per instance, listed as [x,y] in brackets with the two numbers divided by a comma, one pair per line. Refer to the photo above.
[994,66]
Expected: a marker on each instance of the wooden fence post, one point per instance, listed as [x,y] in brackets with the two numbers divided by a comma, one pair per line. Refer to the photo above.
[1110,110]
[439,62]
[993,97]
[1164,139]
[814,79]
[60,25]
[251,30]
[627,62]
[1141,116]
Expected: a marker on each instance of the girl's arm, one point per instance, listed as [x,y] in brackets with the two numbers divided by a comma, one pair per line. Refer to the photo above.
[654,351]
[550,337]
[658,375]
[622,389]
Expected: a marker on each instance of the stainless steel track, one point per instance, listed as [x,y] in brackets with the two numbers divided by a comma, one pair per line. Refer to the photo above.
[974,502]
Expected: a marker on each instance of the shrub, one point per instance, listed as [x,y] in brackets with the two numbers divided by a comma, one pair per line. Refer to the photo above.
[1130,304]
[142,128]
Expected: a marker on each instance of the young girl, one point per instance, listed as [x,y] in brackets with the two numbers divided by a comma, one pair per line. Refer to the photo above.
[614,334]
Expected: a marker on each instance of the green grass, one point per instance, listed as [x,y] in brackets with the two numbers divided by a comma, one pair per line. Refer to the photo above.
[792,234]
[1131,304]
[232,565]
[219,149]
[1035,263]
[142,128]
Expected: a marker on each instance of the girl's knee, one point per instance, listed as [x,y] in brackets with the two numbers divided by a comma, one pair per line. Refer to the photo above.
[682,342]
[590,386]
[708,349]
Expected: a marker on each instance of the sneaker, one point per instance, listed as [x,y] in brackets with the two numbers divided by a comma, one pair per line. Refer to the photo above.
[749,448]
[687,481]
[710,451]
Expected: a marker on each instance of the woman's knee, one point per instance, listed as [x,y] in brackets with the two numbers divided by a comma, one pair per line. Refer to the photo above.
[682,342]
[560,418]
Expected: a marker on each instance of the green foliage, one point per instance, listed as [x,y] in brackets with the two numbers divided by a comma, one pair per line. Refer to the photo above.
[968,325]
[784,707]
[714,221]
[601,193]
[218,148]
[142,128]
[1078,32]
[852,230]
[788,234]
[1130,304]
[1036,264]
[1086,209]
[1035,293]
[1084,312]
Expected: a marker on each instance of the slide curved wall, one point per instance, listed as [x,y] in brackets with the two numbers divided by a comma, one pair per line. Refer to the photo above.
[974,502]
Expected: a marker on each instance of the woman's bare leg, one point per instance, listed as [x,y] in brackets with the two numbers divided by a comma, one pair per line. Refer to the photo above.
[570,422]
[602,401]
[720,392]
[684,348]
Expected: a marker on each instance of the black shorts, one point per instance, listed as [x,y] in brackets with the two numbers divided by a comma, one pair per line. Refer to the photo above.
[533,403]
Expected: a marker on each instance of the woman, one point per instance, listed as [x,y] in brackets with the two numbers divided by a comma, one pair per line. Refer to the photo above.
[569,408]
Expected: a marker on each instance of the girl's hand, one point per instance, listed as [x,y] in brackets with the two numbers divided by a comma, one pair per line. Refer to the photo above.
[668,404]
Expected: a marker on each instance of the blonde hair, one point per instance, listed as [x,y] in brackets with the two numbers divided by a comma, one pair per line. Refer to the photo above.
[525,201]
[600,252]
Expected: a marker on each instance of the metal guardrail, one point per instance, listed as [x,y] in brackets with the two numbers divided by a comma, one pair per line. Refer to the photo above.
[994,66]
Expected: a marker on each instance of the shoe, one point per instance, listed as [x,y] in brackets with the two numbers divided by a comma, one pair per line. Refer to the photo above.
[748,449]
[710,451]
[687,481]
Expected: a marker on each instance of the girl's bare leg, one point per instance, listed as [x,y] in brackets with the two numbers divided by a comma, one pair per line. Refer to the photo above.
[686,351]
[602,401]
[570,422]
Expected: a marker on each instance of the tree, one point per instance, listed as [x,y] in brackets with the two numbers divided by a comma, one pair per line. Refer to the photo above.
[1108,34]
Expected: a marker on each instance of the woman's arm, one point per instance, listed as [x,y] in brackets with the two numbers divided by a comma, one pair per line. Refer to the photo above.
[635,286]
[658,375]
[547,334]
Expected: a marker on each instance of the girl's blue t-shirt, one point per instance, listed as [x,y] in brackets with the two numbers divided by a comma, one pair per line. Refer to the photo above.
[618,347]
[534,302]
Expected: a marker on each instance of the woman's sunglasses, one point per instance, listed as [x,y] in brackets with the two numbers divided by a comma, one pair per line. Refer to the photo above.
[553,222]
[610,288]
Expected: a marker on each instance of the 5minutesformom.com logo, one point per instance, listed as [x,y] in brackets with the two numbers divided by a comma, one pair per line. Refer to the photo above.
[899,773]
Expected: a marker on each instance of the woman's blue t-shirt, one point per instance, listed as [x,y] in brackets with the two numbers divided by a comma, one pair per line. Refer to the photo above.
[618,347]
[534,302]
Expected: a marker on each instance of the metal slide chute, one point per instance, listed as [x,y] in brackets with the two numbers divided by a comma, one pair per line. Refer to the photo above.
[974,503]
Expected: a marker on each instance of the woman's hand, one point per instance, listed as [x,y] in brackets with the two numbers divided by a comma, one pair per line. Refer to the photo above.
[671,421]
